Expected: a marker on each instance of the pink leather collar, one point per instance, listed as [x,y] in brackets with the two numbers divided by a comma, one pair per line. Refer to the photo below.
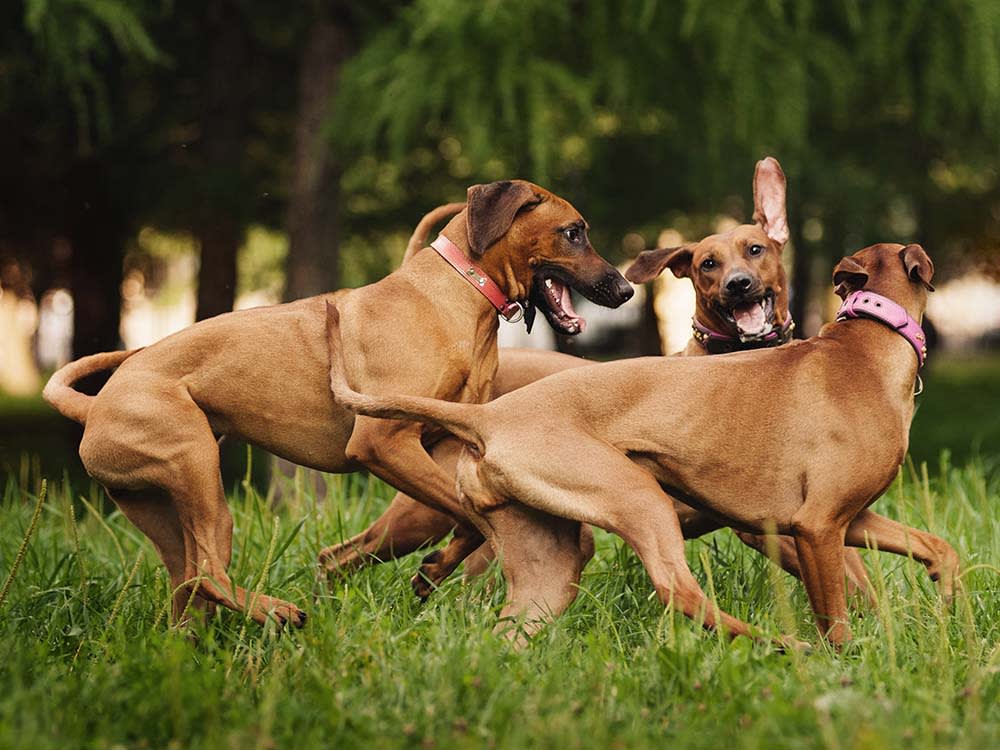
[511,311]
[865,304]
[705,335]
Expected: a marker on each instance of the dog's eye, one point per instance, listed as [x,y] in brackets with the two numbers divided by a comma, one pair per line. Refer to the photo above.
[755,250]
[573,234]
[708,264]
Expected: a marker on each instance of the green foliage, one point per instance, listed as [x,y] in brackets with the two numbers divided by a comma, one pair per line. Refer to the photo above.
[75,42]
[644,107]
[519,77]
[959,410]
[87,658]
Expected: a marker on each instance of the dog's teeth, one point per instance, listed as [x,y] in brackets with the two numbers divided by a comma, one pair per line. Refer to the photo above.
[548,283]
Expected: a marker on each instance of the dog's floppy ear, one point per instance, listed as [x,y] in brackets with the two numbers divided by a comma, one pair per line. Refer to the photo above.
[651,263]
[918,265]
[769,199]
[849,276]
[491,210]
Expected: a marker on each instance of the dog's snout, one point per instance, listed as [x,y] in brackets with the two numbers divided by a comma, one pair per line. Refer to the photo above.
[739,283]
[624,291]
[611,290]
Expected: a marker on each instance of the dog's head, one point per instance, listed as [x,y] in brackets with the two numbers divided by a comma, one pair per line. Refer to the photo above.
[740,283]
[534,245]
[902,273]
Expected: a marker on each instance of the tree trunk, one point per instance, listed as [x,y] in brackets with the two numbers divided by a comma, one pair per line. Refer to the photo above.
[802,281]
[314,209]
[220,244]
[224,128]
[97,236]
[648,343]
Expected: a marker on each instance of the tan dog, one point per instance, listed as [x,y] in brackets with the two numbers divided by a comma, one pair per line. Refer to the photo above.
[259,375]
[613,451]
[741,298]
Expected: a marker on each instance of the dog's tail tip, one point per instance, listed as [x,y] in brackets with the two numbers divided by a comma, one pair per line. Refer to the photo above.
[59,392]
[419,237]
[332,313]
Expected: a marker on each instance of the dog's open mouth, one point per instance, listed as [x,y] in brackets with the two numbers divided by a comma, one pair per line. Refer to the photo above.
[553,298]
[754,319]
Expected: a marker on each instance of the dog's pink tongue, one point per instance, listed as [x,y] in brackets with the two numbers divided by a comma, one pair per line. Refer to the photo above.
[750,318]
[566,302]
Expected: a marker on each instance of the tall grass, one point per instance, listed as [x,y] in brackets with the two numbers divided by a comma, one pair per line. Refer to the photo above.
[88,658]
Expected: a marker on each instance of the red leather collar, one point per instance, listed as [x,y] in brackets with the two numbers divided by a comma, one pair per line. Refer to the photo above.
[511,311]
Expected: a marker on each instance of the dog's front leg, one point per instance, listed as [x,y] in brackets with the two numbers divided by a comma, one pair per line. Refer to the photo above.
[392,451]
[859,587]
[404,527]
[819,543]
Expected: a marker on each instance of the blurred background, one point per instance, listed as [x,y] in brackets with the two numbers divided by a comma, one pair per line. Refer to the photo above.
[162,162]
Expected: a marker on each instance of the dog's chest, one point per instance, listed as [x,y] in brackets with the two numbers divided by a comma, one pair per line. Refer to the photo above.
[481,358]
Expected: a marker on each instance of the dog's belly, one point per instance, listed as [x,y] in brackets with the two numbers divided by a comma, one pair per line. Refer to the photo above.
[743,499]
[313,435]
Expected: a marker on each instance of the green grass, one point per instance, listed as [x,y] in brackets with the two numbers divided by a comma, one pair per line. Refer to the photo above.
[959,410]
[87,659]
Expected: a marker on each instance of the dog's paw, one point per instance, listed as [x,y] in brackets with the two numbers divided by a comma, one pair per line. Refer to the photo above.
[427,578]
[282,612]
[788,643]
[295,616]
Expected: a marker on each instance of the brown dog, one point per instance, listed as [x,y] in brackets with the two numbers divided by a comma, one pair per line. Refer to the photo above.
[741,303]
[612,447]
[259,375]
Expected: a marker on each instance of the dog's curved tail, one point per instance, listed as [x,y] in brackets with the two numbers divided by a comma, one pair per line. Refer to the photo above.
[418,240]
[59,391]
[458,419]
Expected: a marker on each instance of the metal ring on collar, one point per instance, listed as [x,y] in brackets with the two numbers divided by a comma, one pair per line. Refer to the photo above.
[517,315]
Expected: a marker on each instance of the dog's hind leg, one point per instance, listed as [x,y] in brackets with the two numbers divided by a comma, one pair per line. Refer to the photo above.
[207,525]
[870,529]
[164,473]
[590,481]
[542,557]
[153,514]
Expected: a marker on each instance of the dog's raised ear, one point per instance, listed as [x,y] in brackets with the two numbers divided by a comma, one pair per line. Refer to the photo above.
[491,210]
[849,276]
[918,264]
[769,199]
[651,263]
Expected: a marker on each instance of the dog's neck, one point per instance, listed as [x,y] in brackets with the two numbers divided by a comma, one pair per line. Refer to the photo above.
[706,317]
[878,351]
[471,317]
[502,267]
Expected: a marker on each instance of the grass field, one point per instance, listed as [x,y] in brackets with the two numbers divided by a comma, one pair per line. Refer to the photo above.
[88,660]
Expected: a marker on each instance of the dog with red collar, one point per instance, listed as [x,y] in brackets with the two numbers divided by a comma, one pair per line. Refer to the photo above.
[150,436]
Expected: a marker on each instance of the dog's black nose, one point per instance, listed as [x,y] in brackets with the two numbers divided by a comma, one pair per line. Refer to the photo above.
[739,283]
[625,290]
